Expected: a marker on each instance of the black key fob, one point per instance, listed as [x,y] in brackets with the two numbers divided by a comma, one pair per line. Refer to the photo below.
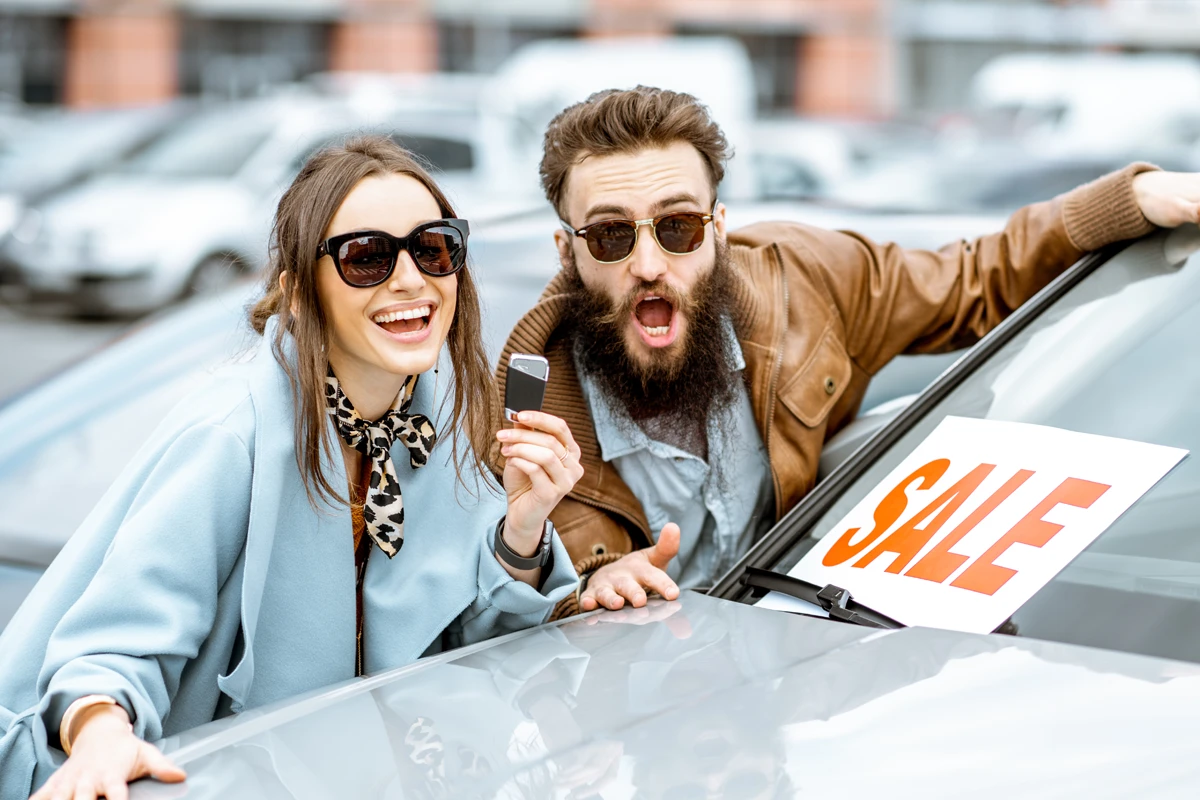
[525,386]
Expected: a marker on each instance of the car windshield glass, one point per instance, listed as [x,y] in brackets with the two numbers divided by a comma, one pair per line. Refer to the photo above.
[58,148]
[1114,356]
[214,145]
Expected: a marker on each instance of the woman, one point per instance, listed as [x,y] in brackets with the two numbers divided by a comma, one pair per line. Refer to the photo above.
[235,562]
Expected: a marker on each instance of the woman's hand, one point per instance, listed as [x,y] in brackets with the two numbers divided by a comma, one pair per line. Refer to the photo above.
[105,756]
[542,466]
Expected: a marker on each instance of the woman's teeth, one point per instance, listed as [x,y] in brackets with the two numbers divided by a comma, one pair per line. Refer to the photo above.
[411,313]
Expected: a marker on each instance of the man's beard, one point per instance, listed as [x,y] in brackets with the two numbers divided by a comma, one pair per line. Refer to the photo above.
[688,380]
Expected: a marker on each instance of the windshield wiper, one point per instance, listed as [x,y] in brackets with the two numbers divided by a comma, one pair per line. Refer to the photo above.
[834,599]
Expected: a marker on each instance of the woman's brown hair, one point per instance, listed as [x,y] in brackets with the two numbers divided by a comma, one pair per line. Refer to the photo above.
[303,215]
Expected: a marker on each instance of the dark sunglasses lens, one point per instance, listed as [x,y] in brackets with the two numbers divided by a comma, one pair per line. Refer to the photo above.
[680,233]
[366,260]
[611,241]
[439,250]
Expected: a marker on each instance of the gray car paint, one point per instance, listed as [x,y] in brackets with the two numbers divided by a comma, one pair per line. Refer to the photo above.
[709,698]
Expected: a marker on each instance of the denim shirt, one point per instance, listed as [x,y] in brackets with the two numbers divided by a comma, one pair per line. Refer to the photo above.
[721,505]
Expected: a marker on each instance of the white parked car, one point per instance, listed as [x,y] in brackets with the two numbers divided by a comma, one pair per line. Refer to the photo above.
[192,211]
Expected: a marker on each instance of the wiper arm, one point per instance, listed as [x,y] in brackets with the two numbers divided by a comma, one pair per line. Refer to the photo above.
[834,599]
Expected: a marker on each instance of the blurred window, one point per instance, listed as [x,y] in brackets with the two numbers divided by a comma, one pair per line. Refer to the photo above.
[32,57]
[1111,357]
[773,57]
[482,46]
[445,154]
[232,58]
[215,145]
[68,145]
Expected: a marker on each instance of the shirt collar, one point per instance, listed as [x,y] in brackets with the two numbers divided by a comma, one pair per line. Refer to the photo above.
[616,433]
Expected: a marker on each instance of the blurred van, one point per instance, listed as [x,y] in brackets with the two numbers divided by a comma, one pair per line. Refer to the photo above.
[1091,103]
[545,77]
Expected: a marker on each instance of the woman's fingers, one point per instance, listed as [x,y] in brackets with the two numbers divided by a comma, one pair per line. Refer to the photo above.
[553,467]
[525,436]
[555,426]
[155,764]
[115,789]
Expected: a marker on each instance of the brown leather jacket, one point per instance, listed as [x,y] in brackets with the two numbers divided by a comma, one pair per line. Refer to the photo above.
[818,313]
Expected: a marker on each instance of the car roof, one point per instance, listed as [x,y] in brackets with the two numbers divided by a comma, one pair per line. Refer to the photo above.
[702,690]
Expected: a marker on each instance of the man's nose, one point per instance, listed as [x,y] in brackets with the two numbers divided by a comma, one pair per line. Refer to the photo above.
[648,262]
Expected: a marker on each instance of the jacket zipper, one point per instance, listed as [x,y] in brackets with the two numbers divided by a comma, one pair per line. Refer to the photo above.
[774,385]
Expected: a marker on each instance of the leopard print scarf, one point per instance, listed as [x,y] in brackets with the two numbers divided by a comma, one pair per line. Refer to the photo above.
[383,509]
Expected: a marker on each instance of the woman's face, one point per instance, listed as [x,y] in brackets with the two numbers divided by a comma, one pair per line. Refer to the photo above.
[366,335]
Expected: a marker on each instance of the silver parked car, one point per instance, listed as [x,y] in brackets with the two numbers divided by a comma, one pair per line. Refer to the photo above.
[1093,693]
[191,212]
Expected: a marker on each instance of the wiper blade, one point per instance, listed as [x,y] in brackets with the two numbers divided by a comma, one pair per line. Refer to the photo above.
[834,599]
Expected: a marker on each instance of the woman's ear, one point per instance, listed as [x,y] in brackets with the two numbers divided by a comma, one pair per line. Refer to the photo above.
[284,279]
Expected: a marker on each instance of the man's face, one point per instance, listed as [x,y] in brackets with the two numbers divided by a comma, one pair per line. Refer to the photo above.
[651,289]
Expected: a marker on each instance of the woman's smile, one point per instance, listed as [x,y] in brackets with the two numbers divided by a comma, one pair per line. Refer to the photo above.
[407,323]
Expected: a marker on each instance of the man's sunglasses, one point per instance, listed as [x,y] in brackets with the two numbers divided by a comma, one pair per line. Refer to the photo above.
[368,258]
[611,241]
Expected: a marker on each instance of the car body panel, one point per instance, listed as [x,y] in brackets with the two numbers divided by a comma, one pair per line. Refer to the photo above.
[705,695]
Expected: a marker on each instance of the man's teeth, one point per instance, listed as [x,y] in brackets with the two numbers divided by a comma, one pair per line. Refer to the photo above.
[661,330]
[411,313]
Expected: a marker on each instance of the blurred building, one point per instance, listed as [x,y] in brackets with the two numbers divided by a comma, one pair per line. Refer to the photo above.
[867,58]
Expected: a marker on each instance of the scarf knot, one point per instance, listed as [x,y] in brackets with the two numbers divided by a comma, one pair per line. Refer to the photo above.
[383,506]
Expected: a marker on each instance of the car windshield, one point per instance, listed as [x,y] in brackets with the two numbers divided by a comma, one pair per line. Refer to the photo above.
[57,148]
[1113,356]
[213,145]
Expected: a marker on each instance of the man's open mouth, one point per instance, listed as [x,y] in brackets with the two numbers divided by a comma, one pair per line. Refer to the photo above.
[410,320]
[655,317]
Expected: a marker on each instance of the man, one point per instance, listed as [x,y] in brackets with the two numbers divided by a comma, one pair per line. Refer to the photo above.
[701,370]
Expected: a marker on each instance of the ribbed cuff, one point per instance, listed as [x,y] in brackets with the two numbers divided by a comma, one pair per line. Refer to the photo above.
[1106,210]
[569,606]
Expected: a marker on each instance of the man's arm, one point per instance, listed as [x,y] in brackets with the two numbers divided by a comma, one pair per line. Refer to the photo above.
[893,300]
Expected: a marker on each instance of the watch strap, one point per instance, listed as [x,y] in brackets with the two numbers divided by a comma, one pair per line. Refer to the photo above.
[508,556]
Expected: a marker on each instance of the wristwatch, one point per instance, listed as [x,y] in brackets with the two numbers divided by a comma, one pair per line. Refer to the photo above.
[506,554]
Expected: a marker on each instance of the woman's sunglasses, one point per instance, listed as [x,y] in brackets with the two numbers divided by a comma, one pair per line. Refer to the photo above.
[611,241]
[368,258]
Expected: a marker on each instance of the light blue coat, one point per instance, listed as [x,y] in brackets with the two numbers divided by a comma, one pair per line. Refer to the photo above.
[206,547]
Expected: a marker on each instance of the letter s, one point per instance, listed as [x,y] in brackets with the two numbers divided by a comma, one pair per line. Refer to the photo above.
[886,513]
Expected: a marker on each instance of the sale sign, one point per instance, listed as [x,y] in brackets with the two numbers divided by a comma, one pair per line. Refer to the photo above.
[980,516]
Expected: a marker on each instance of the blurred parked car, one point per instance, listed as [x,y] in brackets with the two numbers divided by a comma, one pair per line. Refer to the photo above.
[191,212]
[107,405]
[709,697]
[992,179]
[56,150]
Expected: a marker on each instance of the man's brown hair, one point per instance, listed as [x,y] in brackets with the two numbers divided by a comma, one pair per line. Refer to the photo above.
[626,121]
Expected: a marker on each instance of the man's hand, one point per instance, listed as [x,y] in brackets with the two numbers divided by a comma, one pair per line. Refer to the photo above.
[1168,199]
[628,579]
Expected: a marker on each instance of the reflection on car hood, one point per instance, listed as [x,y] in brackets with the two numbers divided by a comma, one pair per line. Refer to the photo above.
[703,697]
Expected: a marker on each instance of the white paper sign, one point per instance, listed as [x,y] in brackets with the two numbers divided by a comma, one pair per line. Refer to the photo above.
[980,516]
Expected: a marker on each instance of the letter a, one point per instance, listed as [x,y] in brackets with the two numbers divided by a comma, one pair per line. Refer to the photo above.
[907,540]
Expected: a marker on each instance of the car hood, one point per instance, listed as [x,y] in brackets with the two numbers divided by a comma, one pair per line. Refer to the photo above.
[703,697]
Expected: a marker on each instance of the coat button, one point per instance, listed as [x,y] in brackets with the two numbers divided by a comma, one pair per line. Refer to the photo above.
[830,386]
